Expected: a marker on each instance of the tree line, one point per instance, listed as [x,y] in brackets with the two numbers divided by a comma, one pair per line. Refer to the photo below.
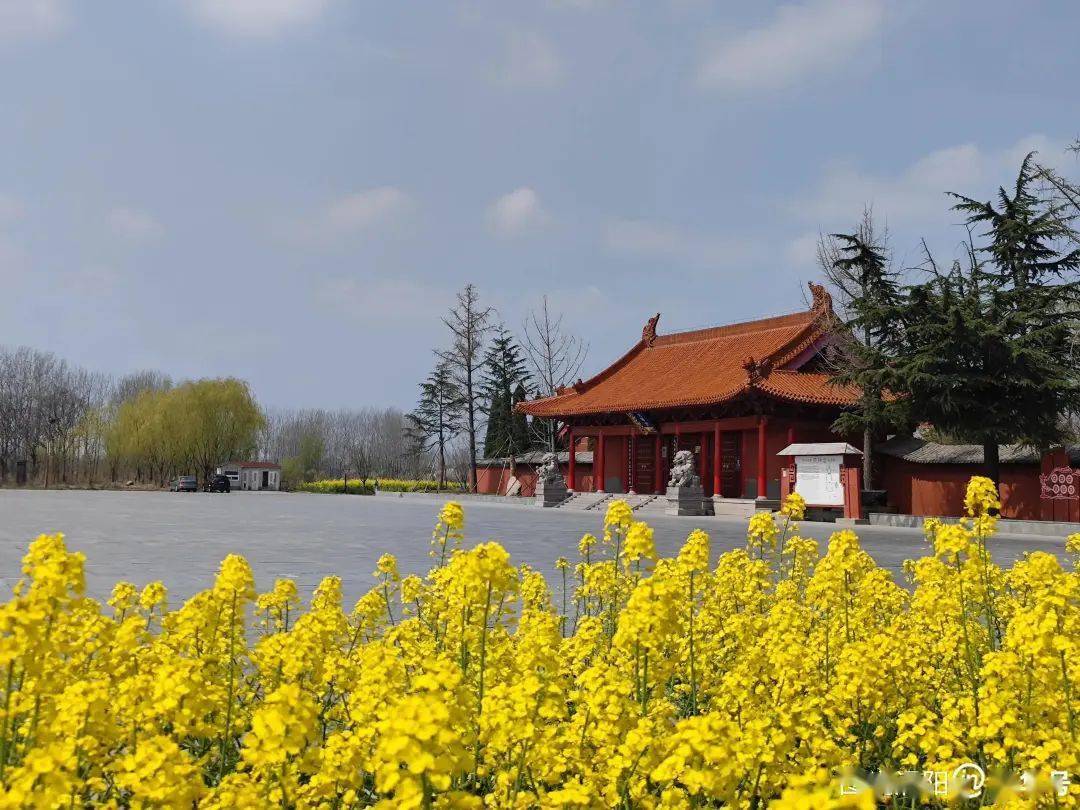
[61,424]
[979,350]
[479,378]
[363,443]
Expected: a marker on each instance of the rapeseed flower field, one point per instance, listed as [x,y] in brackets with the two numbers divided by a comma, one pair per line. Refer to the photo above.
[750,681]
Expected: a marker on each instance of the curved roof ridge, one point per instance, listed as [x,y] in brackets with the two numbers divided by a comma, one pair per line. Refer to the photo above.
[707,367]
[742,328]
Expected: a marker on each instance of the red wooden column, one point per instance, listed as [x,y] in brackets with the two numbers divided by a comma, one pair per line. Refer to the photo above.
[762,479]
[851,480]
[791,434]
[598,464]
[631,475]
[658,463]
[572,466]
[703,460]
[717,461]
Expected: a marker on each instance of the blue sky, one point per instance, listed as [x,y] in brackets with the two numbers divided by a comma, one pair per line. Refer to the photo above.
[291,191]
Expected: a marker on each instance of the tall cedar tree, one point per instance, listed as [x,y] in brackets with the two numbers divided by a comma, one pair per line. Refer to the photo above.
[438,417]
[519,428]
[469,324]
[861,270]
[504,372]
[987,344]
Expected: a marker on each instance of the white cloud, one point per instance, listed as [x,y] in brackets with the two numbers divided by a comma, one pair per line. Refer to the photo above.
[374,208]
[916,194]
[134,225]
[31,18]
[801,38]
[380,299]
[256,18]
[529,61]
[662,241]
[517,213]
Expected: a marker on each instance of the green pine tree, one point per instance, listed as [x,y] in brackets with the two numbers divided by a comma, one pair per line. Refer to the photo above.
[439,416]
[504,370]
[519,428]
[986,354]
[496,439]
[858,266]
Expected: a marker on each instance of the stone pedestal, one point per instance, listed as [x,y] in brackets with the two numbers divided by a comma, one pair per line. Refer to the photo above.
[766,504]
[551,493]
[688,499]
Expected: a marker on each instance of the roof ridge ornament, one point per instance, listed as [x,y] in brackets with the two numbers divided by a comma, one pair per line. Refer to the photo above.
[822,299]
[648,334]
[757,370]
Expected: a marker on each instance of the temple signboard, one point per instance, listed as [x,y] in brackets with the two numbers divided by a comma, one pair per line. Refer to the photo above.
[818,479]
[827,476]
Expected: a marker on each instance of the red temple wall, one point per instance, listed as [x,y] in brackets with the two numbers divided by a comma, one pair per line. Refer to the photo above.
[937,490]
[616,463]
[494,480]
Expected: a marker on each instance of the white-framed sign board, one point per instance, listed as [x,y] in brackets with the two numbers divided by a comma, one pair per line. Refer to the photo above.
[817,479]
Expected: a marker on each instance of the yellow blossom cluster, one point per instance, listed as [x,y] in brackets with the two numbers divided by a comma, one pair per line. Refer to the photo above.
[749,680]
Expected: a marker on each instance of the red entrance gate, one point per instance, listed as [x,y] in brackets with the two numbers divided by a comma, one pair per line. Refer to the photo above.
[644,464]
[731,464]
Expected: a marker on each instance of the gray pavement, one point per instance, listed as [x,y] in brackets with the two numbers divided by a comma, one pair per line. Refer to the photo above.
[181,538]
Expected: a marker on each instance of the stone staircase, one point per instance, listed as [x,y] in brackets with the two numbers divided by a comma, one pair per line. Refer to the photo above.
[601,499]
[652,504]
[734,507]
[584,501]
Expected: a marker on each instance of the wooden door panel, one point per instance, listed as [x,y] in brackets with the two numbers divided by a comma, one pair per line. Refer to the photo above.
[731,464]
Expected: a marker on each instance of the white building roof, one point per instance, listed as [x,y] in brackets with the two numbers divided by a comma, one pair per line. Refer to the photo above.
[820,449]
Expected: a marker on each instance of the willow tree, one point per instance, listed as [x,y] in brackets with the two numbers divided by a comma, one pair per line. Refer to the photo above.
[189,428]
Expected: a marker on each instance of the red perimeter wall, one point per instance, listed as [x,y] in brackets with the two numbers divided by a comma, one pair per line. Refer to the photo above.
[493,480]
[929,490]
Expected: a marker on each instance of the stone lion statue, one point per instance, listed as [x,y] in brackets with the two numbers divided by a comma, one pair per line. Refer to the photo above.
[548,471]
[682,470]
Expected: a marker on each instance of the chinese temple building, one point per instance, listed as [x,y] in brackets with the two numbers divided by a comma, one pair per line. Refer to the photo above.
[732,395]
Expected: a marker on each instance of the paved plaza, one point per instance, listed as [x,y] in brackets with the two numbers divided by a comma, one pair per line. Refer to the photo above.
[181,538]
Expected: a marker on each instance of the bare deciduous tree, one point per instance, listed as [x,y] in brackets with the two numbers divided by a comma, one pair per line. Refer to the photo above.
[469,324]
[555,357]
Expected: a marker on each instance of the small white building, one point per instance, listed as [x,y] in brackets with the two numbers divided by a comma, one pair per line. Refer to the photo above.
[252,475]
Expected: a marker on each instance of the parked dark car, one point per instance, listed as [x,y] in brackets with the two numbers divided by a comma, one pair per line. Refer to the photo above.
[185,483]
[218,483]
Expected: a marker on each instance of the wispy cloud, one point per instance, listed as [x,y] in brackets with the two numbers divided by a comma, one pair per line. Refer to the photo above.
[529,61]
[21,19]
[912,202]
[916,193]
[255,18]
[382,207]
[517,213]
[134,225]
[800,40]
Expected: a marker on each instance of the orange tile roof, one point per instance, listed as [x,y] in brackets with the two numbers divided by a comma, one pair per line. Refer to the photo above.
[708,367]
